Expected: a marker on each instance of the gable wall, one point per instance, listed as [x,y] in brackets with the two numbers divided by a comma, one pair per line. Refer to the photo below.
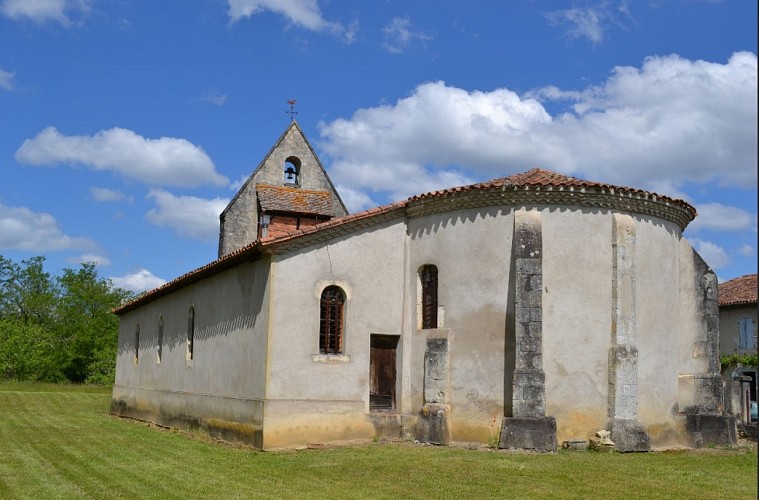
[313,397]
[239,225]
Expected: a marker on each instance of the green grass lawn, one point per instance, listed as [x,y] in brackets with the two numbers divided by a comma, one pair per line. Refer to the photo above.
[60,442]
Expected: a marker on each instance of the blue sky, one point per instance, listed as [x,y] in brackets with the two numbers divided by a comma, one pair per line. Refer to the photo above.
[126,126]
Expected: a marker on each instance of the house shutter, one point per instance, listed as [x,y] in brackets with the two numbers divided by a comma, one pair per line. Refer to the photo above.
[746,335]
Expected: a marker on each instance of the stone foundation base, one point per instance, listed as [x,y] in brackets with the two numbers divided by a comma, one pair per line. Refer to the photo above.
[528,433]
[432,426]
[706,430]
[629,436]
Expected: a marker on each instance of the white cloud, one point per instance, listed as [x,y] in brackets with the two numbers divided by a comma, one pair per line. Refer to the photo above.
[40,11]
[582,22]
[212,97]
[398,35]
[189,216]
[138,281]
[355,201]
[109,195]
[236,185]
[168,161]
[746,250]
[722,218]
[303,13]
[23,229]
[714,255]
[6,79]
[98,260]
[672,121]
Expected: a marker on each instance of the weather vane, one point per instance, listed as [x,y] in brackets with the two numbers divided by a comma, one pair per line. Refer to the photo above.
[292,111]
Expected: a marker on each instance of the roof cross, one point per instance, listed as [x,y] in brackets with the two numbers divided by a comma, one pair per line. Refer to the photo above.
[292,111]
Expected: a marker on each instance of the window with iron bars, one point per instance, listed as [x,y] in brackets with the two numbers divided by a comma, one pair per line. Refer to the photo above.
[429,296]
[331,320]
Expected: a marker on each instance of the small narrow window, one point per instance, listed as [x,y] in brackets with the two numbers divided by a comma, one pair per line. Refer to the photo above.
[331,320]
[428,278]
[160,337]
[746,327]
[137,344]
[292,170]
[190,333]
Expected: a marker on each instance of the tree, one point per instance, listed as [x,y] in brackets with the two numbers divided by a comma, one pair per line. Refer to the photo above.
[87,324]
[57,328]
[26,291]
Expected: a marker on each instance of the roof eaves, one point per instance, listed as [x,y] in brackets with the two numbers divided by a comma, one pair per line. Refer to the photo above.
[233,259]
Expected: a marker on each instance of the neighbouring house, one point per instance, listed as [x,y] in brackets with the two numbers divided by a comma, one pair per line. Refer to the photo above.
[737,320]
[526,310]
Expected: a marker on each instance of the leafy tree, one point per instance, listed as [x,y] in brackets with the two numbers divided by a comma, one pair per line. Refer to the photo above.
[86,322]
[29,352]
[26,291]
[57,328]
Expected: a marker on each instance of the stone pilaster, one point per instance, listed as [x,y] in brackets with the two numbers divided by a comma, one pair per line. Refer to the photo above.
[528,426]
[626,431]
[433,423]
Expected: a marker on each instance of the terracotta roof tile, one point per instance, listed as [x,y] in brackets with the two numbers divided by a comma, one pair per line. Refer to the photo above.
[738,291]
[542,177]
[291,199]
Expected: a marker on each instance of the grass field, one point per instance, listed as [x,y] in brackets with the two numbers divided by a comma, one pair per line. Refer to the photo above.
[60,442]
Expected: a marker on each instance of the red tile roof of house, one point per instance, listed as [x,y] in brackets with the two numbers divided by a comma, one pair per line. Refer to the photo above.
[292,199]
[737,291]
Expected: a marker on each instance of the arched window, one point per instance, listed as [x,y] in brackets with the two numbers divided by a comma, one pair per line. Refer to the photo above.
[160,337]
[190,333]
[137,344]
[428,278]
[292,170]
[331,320]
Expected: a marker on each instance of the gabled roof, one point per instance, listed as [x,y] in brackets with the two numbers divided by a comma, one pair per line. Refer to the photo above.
[293,125]
[738,291]
[534,187]
[290,199]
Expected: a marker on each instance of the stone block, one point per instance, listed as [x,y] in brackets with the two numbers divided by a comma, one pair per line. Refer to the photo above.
[628,436]
[575,445]
[528,433]
[718,430]
[433,426]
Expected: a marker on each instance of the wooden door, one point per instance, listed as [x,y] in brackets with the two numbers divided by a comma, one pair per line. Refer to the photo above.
[382,372]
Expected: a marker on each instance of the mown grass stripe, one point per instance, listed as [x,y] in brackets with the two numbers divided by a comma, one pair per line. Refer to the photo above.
[65,445]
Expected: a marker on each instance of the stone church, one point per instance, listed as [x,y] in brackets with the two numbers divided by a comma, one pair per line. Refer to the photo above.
[527,311]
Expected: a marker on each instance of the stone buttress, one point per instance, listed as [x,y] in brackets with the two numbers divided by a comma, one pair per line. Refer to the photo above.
[626,432]
[528,427]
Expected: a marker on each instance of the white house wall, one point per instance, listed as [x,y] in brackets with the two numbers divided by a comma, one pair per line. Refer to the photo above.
[313,397]
[222,388]
[577,267]
[658,270]
[472,251]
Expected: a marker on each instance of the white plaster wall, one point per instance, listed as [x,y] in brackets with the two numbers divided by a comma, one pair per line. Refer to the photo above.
[369,266]
[472,251]
[577,273]
[658,278]
[230,332]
